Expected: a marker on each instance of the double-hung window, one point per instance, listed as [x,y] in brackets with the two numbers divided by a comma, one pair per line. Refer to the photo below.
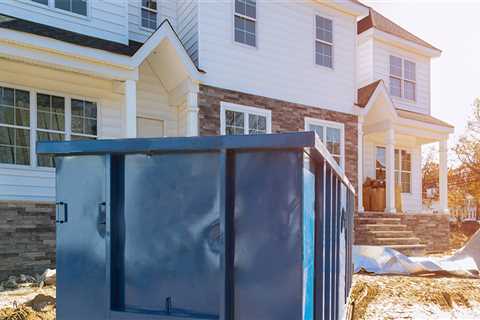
[245,22]
[14,126]
[75,6]
[323,41]
[149,14]
[84,120]
[402,78]
[331,134]
[237,119]
[403,168]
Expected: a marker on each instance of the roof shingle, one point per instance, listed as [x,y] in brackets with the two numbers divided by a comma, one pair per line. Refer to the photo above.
[365,93]
[378,21]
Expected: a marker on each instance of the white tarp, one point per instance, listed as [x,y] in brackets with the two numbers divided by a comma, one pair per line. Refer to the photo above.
[384,260]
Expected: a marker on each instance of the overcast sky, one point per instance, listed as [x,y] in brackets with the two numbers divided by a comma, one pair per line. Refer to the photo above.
[453,27]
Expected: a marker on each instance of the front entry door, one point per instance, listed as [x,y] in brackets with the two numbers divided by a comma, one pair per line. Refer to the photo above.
[81,246]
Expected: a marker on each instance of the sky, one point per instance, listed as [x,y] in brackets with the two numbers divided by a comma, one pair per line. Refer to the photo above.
[453,27]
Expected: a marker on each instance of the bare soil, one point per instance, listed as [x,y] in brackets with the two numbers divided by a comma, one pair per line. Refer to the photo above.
[406,297]
[28,303]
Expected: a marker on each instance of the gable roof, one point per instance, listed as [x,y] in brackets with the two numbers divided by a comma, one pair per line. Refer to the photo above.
[380,22]
[365,93]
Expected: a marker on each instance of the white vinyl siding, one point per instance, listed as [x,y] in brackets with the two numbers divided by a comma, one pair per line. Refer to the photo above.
[323,41]
[237,119]
[103,19]
[273,65]
[332,134]
[187,26]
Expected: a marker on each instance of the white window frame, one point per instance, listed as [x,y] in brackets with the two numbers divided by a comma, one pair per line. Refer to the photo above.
[254,20]
[33,122]
[246,110]
[323,41]
[400,169]
[402,78]
[151,10]
[51,6]
[330,124]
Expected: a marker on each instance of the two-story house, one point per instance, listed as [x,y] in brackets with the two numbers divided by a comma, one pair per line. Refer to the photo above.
[103,69]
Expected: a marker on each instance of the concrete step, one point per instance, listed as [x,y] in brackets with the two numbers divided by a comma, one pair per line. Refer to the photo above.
[361,220]
[379,227]
[392,234]
[394,241]
[415,250]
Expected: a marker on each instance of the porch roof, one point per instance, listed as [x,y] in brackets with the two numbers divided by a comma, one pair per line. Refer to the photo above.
[365,94]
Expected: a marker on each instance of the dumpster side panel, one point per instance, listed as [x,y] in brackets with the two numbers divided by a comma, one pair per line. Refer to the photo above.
[308,239]
[268,235]
[81,287]
[172,240]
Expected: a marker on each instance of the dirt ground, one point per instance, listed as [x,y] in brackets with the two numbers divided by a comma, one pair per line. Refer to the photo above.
[28,303]
[406,297]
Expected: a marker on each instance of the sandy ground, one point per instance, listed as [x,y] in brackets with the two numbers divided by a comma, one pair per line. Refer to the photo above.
[403,297]
[28,303]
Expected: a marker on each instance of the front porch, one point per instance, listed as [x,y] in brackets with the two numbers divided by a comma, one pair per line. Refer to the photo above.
[390,144]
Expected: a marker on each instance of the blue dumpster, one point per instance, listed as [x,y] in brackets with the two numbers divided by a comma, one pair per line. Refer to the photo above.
[230,227]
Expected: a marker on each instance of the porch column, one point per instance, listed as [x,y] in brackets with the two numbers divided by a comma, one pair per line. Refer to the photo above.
[130,108]
[360,207]
[390,171]
[443,175]
[192,113]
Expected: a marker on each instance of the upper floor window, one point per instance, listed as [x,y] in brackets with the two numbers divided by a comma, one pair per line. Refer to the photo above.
[149,14]
[237,119]
[402,78]
[75,6]
[323,41]
[331,134]
[245,22]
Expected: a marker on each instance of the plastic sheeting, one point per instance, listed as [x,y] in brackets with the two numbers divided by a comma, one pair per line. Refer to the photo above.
[383,260]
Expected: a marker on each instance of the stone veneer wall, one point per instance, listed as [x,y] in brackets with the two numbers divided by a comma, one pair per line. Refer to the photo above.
[27,238]
[286,116]
[433,230]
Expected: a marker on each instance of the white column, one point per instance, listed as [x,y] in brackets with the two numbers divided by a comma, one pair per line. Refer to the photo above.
[443,175]
[130,108]
[360,207]
[390,171]
[192,114]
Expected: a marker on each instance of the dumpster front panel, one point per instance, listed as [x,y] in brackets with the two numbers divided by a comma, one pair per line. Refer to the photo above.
[81,285]
[171,241]
[268,235]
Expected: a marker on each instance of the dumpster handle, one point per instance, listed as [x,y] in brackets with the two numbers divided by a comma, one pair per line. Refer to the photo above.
[102,213]
[60,212]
